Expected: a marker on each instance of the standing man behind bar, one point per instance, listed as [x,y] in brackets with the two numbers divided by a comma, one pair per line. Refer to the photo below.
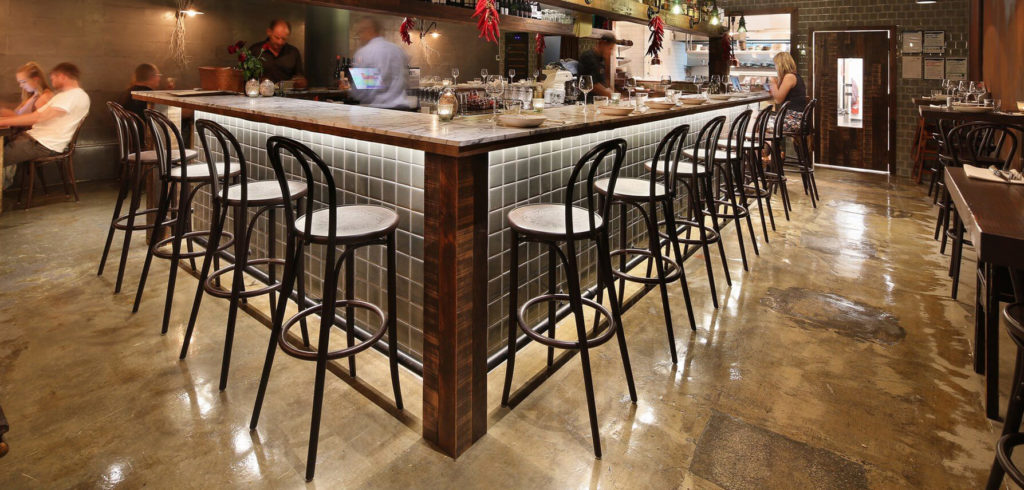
[281,61]
[386,60]
[593,63]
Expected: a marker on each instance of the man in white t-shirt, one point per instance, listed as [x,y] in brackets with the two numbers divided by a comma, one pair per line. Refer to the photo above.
[53,125]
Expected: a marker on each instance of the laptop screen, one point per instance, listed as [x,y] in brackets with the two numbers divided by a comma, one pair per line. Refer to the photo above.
[366,78]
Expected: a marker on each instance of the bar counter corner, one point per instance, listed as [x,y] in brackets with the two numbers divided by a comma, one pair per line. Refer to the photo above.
[452,184]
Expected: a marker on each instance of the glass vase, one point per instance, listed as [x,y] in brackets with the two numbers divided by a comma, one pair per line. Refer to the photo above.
[252,88]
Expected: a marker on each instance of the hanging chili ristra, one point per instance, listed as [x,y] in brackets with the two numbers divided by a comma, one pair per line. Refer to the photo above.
[407,24]
[487,23]
[539,41]
[657,27]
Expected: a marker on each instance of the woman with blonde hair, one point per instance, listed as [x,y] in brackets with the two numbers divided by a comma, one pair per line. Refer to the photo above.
[35,90]
[788,86]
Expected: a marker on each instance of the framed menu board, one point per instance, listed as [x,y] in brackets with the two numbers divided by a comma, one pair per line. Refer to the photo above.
[912,41]
[934,42]
[956,68]
[934,68]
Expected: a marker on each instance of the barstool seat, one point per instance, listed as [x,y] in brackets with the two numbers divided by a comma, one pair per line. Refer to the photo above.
[720,155]
[747,144]
[548,220]
[683,168]
[631,188]
[353,222]
[201,171]
[149,156]
[263,192]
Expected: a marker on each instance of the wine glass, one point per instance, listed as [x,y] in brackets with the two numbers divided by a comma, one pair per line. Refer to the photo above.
[511,74]
[536,75]
[483,74]
[666,82]
[630,86]
[495,87]
[455,76]
[586,84]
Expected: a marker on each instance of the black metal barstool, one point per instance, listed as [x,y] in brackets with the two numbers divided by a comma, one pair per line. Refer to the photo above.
[697,178]
[1011,437]
[136,168]
[265,197]
[646,196]
[551,225]
[776,173]
[187,179]
[755,183]
[803,161]
[728,179]
[352,227]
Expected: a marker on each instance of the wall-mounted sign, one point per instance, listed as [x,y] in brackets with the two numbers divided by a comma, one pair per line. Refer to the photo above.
[934,42]
[956,68]
[934,68]
[912,67]
[912,41]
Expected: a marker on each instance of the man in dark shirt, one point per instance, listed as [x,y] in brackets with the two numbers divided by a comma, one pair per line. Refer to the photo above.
[592,63]
[281,61]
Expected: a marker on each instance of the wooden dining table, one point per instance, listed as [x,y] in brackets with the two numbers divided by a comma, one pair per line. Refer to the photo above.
[992,217]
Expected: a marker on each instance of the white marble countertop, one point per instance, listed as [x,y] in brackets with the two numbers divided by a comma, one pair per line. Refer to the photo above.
[463,136]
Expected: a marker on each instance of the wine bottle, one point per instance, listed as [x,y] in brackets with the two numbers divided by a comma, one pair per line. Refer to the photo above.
[337,71]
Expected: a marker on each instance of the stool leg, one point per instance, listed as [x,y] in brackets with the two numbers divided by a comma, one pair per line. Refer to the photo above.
[552,289]
[737,221]
[393,319]
[122,194]
[301,282]
[755,181]
[237,286]
[718,229]
[746,206]
[216,229]
[293,257]
[655,247]
[513,322]
[957,255]
[991,345]
[697,208]
[979,322]
[330,296]
[606,271]
[350,315]
[31,183]
[670,222]
[161,216]
[1014,413]
[271,254]
[180,225]
[572,277]
[70,163]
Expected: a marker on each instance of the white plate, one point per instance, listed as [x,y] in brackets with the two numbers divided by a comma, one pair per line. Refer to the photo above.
[971,108]
[692,100]
[613,110]
[659,104]
[720,96]
[521,120]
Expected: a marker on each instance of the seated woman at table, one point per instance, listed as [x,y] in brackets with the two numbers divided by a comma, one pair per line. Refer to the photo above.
[788,86]
[35,90]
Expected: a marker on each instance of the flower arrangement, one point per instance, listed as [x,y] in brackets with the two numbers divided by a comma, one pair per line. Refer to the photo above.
[251,64]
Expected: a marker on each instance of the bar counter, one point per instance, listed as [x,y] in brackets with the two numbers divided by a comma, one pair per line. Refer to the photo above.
[452,184]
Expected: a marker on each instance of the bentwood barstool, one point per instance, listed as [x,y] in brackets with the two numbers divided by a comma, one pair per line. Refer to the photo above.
[776,173]
[264,197]
[697,179]
[728,166]
[646,196]
[755,184]
[551,225]
[803,161]
[136,168]
[1011,437]
[186,180]
[352,227]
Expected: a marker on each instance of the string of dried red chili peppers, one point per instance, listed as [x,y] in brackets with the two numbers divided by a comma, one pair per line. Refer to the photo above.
[407,24]
[487,23]
[541,46]
[657,27]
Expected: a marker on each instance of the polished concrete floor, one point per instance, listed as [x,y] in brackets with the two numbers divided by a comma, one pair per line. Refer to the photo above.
[838,360]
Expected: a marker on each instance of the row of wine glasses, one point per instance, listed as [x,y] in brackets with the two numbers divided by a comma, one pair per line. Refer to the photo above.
[965,89]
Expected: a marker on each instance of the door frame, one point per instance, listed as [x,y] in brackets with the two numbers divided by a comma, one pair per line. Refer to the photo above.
[893,109]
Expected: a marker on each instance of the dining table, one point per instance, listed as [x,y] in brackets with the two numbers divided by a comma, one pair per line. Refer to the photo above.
[991,216]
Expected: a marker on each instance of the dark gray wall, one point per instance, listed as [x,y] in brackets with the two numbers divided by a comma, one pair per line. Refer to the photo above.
[108,38]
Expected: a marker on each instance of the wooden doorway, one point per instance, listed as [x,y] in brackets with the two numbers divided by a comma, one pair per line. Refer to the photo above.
[853,78]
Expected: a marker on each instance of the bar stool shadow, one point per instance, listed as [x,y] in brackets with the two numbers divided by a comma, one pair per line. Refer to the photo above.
[552,225]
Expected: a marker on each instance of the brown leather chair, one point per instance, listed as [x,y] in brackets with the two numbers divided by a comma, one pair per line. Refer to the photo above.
[67,170]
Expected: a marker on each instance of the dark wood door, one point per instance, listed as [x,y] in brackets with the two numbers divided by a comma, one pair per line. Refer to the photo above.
[852,85]
[517,54]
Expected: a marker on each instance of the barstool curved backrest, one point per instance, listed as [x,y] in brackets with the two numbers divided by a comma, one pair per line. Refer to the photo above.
[760,130]
[668,151]
[308,161]
[993,144]
[163,131]
[228,144]
[121,129]
[587,168]
[707,141]
[780,120]
[737,135]
[807,118]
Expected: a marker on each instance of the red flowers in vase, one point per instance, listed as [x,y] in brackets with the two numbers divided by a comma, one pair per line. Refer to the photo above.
[250,63]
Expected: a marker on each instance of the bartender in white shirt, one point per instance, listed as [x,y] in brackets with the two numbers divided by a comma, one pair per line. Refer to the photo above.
[386,59]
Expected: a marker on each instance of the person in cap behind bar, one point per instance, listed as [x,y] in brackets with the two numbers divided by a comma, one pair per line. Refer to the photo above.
[281,61]
[592,63]
[382,66]
[53,125]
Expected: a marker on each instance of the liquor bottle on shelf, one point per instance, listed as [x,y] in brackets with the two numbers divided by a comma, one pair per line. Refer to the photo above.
[337,71]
